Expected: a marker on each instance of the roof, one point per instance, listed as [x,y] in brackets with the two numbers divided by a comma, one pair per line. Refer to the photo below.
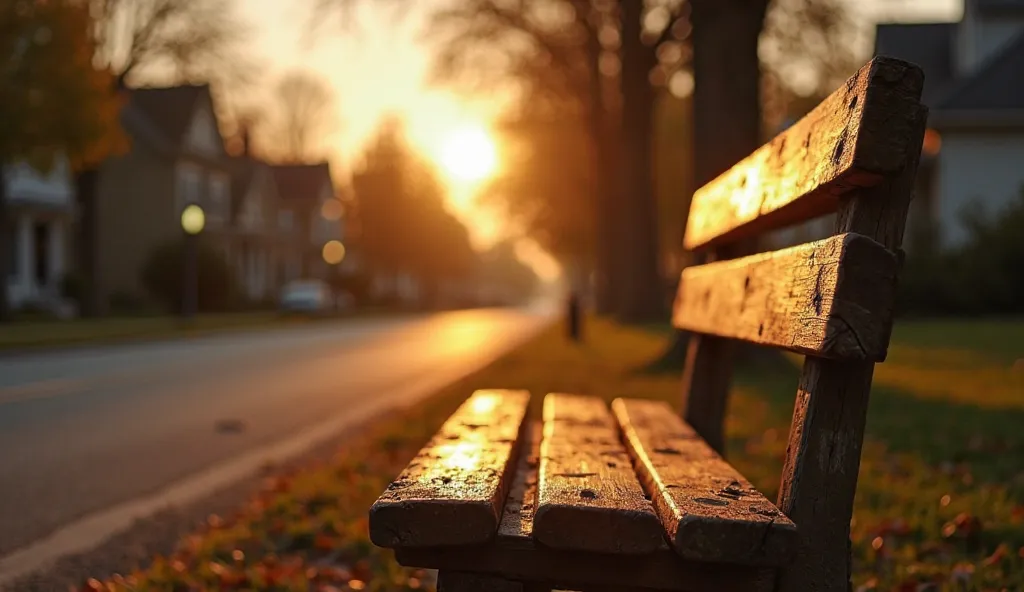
[302,181]
[169,110]
[929,45]
[997,84]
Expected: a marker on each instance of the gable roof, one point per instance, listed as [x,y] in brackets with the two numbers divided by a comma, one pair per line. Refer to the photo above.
[997,84]
[162,117]
[929,45]
[302,181]
[170,109]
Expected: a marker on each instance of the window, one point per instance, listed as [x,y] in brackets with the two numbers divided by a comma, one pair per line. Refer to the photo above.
[285,220]
[218,197]
[187,185]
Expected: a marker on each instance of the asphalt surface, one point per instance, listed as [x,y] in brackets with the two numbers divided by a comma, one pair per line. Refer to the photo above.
[85,430]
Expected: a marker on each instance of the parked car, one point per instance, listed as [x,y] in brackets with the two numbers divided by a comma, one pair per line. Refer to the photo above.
[312,297]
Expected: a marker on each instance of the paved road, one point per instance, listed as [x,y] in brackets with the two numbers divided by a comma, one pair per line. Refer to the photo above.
[82,431]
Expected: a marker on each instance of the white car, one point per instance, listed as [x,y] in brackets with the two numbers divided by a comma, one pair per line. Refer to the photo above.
[312,297]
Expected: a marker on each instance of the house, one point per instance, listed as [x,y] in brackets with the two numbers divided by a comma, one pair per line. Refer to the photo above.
[40,213]
[261,253]
[974,88]
[176,158]
[310,211]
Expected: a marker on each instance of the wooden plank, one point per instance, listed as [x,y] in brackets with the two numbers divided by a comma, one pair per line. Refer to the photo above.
[819,478]
[589,498]
[711,513]
[452,493]
[515,555]
[853,139]
[831,298]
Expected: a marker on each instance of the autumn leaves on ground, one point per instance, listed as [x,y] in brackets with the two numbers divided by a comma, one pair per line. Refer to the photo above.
[940,503]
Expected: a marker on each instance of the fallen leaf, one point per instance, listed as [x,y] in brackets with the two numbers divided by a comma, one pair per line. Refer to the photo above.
[1001,552]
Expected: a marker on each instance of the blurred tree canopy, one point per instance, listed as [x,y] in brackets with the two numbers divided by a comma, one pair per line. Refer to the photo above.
[53,102]
[176,39]
[403,224]
[301,118]
[600,69]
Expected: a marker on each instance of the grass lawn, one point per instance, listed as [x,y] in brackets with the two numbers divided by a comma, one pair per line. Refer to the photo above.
[940,504]
[26,335]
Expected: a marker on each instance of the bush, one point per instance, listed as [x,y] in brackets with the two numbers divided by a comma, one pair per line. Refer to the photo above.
[163,276]
[981,277]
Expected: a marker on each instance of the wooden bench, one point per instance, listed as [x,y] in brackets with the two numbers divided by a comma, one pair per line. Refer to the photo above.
[633,497]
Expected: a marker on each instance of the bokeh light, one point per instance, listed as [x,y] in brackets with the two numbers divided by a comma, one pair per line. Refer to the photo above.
[193,219]
[333,252]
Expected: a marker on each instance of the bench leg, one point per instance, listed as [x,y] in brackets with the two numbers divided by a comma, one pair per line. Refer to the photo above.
[461,581]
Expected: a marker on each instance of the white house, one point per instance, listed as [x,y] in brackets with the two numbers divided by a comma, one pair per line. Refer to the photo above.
[40,207]
[974,88]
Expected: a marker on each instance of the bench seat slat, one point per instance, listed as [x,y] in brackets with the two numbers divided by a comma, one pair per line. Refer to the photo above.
[854,138]
[452,493]
[515,555]
[831,298]
[711,513]
[589,496]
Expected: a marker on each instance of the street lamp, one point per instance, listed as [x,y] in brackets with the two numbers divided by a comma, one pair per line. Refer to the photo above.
[193,219]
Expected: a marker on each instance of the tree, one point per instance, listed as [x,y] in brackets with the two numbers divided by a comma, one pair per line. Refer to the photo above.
[563,58]
[404,226]
[194,39]
[306,114]
[53,102]
[550,54]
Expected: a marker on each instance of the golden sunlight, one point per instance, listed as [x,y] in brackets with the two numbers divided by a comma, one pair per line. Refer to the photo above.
[469,154]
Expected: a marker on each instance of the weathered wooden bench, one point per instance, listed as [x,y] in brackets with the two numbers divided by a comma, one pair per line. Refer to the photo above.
[635,497]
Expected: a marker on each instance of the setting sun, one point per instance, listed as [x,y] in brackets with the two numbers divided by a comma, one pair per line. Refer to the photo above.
[468,154]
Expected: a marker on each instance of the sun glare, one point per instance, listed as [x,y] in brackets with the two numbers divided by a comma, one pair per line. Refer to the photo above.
[468,154]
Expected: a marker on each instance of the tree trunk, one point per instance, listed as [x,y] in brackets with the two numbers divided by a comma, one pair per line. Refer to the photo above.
[6,242]
[608,272]
[640,287]
[727,93]
[726,100]
[85,240]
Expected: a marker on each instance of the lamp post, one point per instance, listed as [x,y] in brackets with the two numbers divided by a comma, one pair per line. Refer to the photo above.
[333,253]
[193,219]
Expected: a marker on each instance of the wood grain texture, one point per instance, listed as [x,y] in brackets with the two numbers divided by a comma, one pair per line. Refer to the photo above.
[589,498]
[819,478]
[710,512]
[452,493]
[852,139]
[831,298]
[515,555]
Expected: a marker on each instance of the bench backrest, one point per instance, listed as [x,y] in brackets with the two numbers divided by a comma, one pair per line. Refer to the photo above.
[855,155]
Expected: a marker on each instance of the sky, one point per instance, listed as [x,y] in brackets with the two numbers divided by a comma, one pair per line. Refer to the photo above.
[381,66]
